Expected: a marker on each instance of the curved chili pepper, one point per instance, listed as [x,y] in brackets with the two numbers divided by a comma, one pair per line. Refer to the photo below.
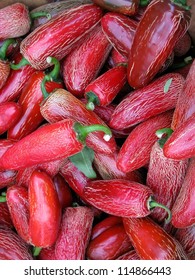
[74,24]
[151,242]
[159,96]
[104,89]
[50,142]
[75,232]
[88,58]
[119,30]
[122,198]
[151,45]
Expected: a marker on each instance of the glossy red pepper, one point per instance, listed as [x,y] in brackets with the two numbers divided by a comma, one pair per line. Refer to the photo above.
[63,190]
[45,210]
[148,102]
[75,233]
[62,104]
[12,246]
[74,24]
[135,151]
[105,87]
[10,113]
[120,31]
[124,7]
[16,81]
[183,210]
[48,143]
[15,20]
[180,145]
[151,242]
[17,201]
[88,58]
[5,217]
[151,45]
[165,177]
[121,197]
[186,237]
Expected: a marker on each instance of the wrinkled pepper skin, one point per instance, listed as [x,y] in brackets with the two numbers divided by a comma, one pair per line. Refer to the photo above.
[136,149]
[36,147]
[88,58]
[74,234]
[4,72]
[181,143]
[124,7]
[186,237]
[74,24]
[120,31]
[44,209]
[15,21]
[183,211]
[17,201]
[147,102]
[12,246]
[151,242]
[151,45]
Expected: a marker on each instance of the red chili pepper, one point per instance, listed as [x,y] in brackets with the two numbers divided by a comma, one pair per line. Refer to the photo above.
[17,201]
[75,232]
[151,45]
[10,113]
[48,143]
[5,217]
[61,104]
[165,177]
[74,24]
[124,7]
[135,151]
[183,209]
[131,255]
[121,197]
[12,246]
[183,45]
[142,104]
[186,237]
[45,210]
[63,190]
[30,100]
[186,100]
[181,143]
[16,81]
[109,245]
[15,21]
[88,59]
[105,88]
[120,31]
[151,242]
[116,58]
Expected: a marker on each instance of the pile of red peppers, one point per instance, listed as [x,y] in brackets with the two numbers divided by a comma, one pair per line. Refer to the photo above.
[97,131]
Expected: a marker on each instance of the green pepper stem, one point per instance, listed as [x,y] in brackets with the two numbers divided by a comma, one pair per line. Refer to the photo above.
[153,204]
[182,4]
[5,46]
[3,197]
[36,251]
[144,3]
[82,131]
[22,63]
[163,135]
[187,60]
[92,100]
[43,89]
[34,15]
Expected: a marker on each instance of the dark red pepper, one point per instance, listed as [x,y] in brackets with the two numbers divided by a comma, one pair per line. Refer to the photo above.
[183,45]
[151,45]
[63,190]
[124,7]
[5,217]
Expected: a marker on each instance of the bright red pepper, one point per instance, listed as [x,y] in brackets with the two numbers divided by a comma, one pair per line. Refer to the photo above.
[120,31]
[12,246]
[45,210]
[10,113]
[151,45]
[41,146]
[183,211]
[151,242]
[74,24]
[147,102]
[88,59]
[105,88]
[135,151]
[121,197]
[63,190]
[75,233]
[5,217]
[62,104]
[124,7]
[17,201]
[186,237]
